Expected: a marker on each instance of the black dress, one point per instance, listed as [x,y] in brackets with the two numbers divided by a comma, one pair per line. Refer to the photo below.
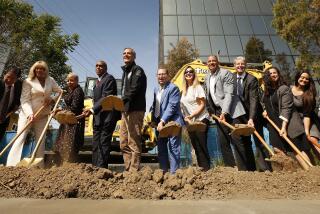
[70,137]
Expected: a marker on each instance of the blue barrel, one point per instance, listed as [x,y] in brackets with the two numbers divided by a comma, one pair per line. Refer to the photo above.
[26,151]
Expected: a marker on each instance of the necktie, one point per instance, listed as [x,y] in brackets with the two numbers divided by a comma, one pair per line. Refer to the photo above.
[97,83]
[5,102]
[239,87]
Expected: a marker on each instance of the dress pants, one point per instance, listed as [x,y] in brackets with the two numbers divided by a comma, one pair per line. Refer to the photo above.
[199,143]
[14,155]
[130,139]
[102,136]
[243,149]
[169,153]
[225,142]
[261,152]
[3,128]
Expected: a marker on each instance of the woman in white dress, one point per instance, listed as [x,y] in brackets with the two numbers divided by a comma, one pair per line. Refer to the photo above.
[36,92]
[193,103]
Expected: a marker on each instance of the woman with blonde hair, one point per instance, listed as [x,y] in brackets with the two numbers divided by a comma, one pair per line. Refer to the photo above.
[193,103]
[36,92]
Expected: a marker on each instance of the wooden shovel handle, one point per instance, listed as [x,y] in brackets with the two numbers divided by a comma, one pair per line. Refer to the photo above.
[22,130]
[45,129]
[223,122]
[264,143]
[289,142]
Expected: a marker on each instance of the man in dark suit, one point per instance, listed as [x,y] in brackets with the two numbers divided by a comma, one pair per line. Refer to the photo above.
[248,92]
[165,108]
[104,122]
[10,92]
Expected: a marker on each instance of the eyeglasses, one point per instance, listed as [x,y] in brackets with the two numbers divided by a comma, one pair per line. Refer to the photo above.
[189,72]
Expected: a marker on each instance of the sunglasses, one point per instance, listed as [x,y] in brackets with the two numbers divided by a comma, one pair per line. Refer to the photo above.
[189,72]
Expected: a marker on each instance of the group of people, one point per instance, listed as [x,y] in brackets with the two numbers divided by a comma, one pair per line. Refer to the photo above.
[235,98]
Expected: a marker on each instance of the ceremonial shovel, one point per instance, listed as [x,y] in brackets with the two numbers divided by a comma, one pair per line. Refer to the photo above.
[23,129]
[26,162]
[238,129]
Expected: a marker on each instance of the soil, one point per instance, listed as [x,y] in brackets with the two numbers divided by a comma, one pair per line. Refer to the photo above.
[88,182]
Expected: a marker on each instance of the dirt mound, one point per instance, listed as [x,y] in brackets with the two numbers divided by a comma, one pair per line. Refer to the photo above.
[85,181]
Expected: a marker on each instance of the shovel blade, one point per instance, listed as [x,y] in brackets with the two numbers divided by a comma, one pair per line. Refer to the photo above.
[28,162]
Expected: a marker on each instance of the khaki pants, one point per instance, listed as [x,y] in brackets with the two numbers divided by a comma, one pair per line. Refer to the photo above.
[130,139]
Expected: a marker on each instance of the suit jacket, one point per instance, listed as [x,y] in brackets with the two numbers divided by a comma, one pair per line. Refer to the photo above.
[250,96]
[225,94]
[107,86]
[14,101]
[33,95]
[169,104]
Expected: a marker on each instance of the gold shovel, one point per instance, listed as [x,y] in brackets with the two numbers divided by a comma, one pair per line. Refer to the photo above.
[238,129]
[22,130]
[112,102]
[27,162]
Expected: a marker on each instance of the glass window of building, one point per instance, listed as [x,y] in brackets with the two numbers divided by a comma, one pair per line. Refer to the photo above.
[170,25]
[214,25]
[258,25]
[252,6]
[238,7]
[183,7]
[265,6]
[169,7]
[211,7]
[218,44]
[280,46]
[244,41]
[197,7]
[225,7]
[229,25]
[203,45]
[268,21]
[267,43]
[185,28]
[200,25]
[234,45]
[168,43]
[244,25]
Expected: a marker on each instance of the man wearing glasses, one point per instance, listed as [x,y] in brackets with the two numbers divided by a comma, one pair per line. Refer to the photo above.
[166,108]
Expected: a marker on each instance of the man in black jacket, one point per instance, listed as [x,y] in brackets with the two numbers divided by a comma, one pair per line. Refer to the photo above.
[248,92]
[134,84]
[104,122]
[10,92]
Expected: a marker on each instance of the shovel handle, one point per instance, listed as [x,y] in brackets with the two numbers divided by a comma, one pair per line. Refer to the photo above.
[22,130]
[263,142]
[45,129]
[289,142]
[223,122]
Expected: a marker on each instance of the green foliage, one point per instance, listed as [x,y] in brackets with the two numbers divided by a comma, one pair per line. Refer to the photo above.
[33,38]
[298,22]
[180,55]
[255,52]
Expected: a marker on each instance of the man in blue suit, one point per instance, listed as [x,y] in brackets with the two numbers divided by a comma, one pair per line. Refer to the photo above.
[165,108]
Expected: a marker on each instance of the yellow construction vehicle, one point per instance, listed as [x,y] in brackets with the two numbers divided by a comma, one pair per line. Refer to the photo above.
[202,70]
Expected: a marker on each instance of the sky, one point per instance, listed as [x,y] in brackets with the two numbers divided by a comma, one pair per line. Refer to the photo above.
[105,28]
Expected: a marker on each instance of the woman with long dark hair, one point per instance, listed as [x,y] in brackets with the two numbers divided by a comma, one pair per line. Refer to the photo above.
[304,99]
[278,104]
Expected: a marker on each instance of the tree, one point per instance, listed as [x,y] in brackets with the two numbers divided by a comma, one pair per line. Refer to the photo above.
[255,52]
[32,38]
[284,67]
[180,55]
[298,22]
